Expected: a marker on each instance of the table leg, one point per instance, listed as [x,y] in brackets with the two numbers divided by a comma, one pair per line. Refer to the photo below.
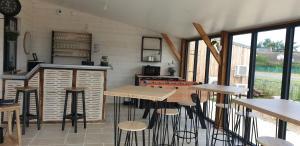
[9,123]
[18,126]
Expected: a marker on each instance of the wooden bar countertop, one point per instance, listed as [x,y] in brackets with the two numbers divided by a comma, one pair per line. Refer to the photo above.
[285,110]
[141,92]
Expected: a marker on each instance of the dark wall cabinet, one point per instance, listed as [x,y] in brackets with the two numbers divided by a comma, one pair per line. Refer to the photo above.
[151,49]
[10,44]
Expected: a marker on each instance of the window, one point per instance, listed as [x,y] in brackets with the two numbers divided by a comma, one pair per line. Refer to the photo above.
[201,61]
[268,73]
[190,61]
[213,64]
[293,133]
[240,60]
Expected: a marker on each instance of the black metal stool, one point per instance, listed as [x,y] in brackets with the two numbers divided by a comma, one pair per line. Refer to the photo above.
[221,127]
[26,116]
[163,126]
[74,116]
[241,117]
[188,128]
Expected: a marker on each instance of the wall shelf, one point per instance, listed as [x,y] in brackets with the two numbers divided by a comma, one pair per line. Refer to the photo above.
[151,49]
[71,44]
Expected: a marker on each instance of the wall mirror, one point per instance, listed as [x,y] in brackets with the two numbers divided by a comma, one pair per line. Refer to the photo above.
[27,43]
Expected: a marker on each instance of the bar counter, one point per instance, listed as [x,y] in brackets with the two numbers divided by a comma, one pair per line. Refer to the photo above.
[51,81]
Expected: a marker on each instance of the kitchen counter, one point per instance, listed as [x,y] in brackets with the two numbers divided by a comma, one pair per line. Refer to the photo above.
[52,80]
[25,76]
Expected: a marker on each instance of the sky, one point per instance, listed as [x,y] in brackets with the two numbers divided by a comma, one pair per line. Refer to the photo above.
[274,35]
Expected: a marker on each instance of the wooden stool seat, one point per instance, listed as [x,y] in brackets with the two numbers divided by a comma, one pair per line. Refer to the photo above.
[26,89]
[168,112]
[26,116]
[250,114]
[271,141]
[222,105]
[75,89]
[132,126]
[187,103]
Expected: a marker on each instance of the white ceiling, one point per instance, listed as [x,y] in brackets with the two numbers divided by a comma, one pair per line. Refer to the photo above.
[175,17]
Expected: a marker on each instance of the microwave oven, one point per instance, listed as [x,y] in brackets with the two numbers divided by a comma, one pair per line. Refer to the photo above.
[151,70]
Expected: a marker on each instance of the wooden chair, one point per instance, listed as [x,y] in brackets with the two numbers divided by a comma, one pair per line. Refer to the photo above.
[9,139]
[271,141]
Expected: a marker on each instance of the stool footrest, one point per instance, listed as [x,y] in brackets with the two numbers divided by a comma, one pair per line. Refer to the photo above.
[29,116]
[70,116]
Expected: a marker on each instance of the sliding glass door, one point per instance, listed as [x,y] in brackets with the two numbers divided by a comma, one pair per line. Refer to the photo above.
[268,74]
[293,131]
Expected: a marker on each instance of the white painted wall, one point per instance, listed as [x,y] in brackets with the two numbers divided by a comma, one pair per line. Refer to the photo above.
[119,41]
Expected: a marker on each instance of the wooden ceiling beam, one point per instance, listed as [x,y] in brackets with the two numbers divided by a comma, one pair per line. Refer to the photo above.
[207,41]
[171,46]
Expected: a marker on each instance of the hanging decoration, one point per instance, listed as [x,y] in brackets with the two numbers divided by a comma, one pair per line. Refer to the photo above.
[10,8]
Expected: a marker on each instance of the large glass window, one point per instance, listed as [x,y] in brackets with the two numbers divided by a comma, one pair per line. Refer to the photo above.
[201,61]
[240,60]
[293,131]
[190,61]
[213,64]
[268,73]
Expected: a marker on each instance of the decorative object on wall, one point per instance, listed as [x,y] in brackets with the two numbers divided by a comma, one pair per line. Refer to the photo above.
[27,43]
[71,44]
[151,49]
[10,8]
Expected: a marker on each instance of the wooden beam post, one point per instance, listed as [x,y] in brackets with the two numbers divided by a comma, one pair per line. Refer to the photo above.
[222,72]
[171,46]
[183,55]
[207,41]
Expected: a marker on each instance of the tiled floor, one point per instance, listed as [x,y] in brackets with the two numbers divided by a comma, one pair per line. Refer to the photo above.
[96,134]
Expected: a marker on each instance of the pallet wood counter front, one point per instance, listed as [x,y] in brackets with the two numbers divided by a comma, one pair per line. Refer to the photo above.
[52,80]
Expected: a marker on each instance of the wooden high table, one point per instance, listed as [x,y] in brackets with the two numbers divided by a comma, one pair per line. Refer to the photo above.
[285,110]
[135,92]
[222,89]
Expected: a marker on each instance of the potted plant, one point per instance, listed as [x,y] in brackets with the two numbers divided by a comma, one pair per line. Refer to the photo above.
[171,71]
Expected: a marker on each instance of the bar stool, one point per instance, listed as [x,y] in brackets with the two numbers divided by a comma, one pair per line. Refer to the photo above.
[224,129]
[189,130]
[74,116]
[242,116]
[162,130]
[271,141]
[26,116]
[132,127]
